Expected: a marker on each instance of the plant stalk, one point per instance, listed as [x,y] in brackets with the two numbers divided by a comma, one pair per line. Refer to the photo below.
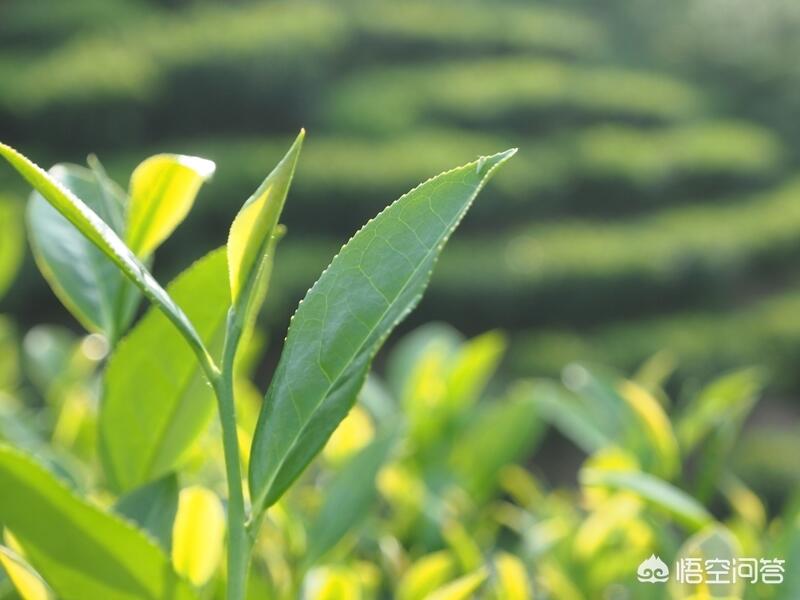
[239,545]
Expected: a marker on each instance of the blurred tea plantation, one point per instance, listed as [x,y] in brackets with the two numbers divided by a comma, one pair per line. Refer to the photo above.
[653,204]
[650,223]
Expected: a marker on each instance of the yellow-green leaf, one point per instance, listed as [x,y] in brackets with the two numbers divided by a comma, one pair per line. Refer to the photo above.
[81,551]
[333,583]
[476,362]
[198,534]
[162,191]
[426,575]
[512,581]
[349,497]
[655,427]
[462,588]
[28,583]
[254,233]
[657,492]
[156,400]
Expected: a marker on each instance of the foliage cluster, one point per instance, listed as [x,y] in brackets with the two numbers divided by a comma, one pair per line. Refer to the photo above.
[430,488]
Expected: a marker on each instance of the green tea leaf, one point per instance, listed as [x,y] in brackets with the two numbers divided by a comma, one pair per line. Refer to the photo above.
[101,235]
[375,281]
[426,575]
[348,497]
[403,362]
[85,280]
[157,401]
[153,508]
[511,578]
[81,551]
[11,242]
[567,414]
[655,491]
[726,399]
[479,453]
[654,441]
[162,191]
[254,234]
[438,376]
[472,369]
[462,588]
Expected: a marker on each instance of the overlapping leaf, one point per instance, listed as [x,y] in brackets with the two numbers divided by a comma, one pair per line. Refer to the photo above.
[81,551]
[157,400]
[100,234]
[654,490]
[153,507]
[82,276]
[348,497]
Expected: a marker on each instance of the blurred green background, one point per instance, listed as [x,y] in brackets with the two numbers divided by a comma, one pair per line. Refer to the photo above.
[649,223]
[653,205]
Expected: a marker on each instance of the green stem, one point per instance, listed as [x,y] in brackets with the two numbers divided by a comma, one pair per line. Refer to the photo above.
[239,546]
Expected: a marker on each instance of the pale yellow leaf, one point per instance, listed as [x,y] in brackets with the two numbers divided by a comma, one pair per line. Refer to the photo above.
[162,191]
[27,582]
[198,534]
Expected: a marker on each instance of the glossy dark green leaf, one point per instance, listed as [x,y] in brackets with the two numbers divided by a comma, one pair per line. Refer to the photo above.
[80,551]
[81,275]
[153,508]
[348,497]
[375,281]
[157,400]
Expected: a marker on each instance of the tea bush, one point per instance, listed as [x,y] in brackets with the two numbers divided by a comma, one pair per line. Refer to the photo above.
[164,375]
[415,495]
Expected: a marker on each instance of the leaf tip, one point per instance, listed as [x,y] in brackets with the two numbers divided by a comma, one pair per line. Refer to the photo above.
[487,164]
[294,151]
[202,166]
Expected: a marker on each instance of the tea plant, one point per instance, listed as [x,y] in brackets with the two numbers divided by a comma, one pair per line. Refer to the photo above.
[421,492]
[94,243]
